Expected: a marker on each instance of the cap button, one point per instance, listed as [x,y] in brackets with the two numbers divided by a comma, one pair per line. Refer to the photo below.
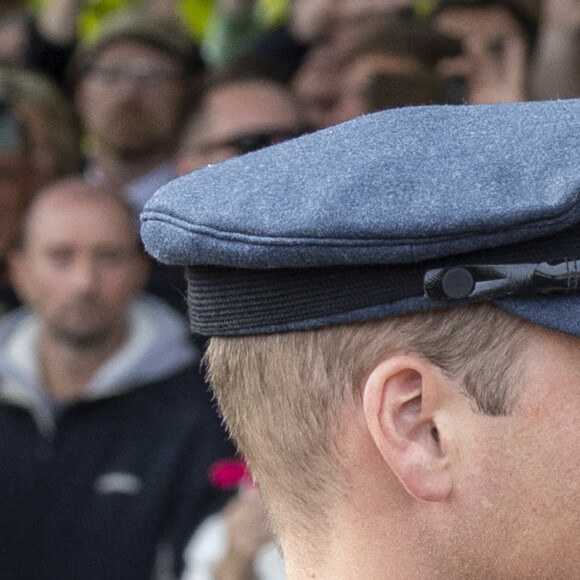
[457,283]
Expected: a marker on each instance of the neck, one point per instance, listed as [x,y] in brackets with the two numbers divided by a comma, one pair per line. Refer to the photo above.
[362,551]
[377,533]
[67,369]
[118,169]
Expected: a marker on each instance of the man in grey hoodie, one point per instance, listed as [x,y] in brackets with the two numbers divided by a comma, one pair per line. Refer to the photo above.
[107,432]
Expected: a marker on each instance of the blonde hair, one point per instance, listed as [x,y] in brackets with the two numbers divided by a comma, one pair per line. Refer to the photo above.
[281,395]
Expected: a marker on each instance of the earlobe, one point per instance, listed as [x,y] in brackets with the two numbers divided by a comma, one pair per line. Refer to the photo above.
[403,404]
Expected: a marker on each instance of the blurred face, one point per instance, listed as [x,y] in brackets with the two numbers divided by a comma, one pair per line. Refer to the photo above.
[522,476]
[319,79]
[494,60]
[236,119]
[351,101]
[45,147]
[13,35]
[131,99]
[80,266]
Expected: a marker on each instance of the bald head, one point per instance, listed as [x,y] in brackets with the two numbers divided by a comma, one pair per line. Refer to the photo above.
[76,192]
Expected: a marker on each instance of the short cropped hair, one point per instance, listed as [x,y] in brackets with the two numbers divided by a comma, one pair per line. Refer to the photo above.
[281,395]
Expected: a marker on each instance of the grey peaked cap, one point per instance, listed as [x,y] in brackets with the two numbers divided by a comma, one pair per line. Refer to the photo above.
[343,224]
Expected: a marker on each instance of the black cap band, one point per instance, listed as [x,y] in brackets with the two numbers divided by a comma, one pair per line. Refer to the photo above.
[229,301]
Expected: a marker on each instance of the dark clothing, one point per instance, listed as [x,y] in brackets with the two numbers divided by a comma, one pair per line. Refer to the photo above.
[280,52]
[115,491]
[113,485]
[46,57]
[8,299]
[169,284]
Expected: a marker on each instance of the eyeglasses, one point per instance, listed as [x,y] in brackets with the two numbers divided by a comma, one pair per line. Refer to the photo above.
[248,142]
[146,75]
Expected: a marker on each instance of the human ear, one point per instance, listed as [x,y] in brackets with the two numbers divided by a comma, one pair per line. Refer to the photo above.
[404,407]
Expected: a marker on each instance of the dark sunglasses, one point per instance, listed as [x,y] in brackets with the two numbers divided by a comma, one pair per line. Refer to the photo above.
[247,142]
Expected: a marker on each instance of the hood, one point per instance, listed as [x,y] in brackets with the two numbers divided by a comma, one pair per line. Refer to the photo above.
[157,346]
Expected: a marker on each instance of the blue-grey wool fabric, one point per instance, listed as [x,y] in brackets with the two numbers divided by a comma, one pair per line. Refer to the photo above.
[398,189]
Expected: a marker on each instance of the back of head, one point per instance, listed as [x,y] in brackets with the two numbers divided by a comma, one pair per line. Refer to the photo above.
[269,385]
[388,301]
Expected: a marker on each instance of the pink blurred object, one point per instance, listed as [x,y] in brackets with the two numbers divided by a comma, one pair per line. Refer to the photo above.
[229,474]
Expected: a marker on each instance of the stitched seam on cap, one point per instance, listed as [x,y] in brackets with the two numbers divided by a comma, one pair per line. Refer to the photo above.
[269,241]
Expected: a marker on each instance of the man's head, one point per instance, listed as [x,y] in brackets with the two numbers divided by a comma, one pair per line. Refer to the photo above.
[431,397]
[405,53]
[79,264]
[241,110]
[394,312]
[494,20]
[39,142]
[48,122]
[335,30]
[498,38]
[133,82]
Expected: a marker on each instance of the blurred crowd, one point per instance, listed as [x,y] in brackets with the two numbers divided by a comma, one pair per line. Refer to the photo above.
[101,104]
[131,94]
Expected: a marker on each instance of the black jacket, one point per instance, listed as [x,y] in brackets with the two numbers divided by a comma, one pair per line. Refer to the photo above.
[113,486]
[118,489]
